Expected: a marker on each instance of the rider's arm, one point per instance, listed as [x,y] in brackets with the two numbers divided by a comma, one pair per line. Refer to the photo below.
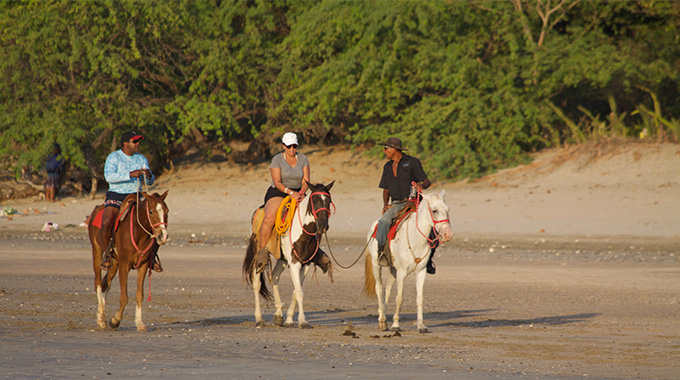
[386,200]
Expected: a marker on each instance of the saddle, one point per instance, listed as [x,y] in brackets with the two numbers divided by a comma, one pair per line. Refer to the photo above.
[283,216]
[130,201]
[398,219]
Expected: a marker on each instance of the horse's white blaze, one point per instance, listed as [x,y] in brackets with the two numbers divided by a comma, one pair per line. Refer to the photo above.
[164,231]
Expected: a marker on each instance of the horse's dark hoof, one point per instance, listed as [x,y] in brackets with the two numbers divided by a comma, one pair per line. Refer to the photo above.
[423,331]
[259,324]
[111,325]
[278,320]
[306,325]
[288,325]
[395,329]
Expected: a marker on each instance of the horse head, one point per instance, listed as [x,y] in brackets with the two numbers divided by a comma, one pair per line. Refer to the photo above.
[439,212]
[319,205]
[157,213]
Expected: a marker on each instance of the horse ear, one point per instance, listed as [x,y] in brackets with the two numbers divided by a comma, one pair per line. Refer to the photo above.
[308,184]
[164,195]
[328,187]
[442,194]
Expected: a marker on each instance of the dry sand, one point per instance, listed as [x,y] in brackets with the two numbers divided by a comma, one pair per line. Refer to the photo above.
[568,267]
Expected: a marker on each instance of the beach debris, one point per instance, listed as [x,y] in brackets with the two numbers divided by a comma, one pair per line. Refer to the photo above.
[49,226]
[8,211]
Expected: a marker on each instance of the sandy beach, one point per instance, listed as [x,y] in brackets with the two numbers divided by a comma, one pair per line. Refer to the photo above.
[568,267]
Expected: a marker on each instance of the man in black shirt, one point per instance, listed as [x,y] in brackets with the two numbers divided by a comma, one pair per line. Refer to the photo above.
[398,174]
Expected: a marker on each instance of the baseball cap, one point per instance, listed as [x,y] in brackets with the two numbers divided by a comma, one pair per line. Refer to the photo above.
[130,135]
[289,139]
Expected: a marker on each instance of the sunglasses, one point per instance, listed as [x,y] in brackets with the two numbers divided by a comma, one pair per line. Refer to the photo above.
[294,146]
[134,142]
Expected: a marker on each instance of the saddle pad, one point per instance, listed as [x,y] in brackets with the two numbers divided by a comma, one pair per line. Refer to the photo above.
[274,242]
[97,222]
[395,226]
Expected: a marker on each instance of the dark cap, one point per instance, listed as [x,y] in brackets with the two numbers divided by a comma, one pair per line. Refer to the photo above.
[129,135]
[393,142]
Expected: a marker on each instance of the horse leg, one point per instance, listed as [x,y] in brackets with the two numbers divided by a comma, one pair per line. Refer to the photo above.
[124,269]
[139,296]
[379,290]
[398,301]
[257,284]
[420,284]
[389,283]
[276,276]
[297,277]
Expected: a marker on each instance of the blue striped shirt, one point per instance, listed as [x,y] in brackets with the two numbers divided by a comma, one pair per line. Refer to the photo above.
[117,172]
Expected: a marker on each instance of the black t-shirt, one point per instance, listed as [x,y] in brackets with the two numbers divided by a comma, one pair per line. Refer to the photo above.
[409,170]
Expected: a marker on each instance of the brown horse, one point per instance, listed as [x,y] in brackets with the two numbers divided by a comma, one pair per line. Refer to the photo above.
[140,228]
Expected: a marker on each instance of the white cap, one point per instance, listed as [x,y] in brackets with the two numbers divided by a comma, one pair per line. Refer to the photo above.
[289,139]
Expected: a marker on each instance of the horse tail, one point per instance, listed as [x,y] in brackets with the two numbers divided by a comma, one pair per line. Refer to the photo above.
[369,280]
[248,264]
[249,260]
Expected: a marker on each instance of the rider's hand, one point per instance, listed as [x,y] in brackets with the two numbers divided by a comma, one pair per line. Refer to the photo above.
[136,173]
[385,208]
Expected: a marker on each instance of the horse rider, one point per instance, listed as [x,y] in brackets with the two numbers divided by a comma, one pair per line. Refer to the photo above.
[124,171]
[399,172]
[290,173]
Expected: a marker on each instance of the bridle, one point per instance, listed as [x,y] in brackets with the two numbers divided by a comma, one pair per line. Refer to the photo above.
[155,227]
[432,242]
[315,213]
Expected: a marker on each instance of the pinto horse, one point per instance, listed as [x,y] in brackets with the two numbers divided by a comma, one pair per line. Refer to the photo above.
[411,249]
[141,228]
[299,248]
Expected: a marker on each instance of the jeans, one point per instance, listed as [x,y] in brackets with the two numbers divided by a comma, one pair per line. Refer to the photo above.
[385,222]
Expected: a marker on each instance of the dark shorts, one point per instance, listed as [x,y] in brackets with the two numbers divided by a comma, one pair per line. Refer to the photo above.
[114,199]
[273,192]
[52,180]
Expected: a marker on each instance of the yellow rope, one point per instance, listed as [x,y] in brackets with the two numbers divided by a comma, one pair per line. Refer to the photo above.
[283,225]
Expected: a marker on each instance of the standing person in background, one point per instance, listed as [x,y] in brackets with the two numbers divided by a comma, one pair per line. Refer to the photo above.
[398,173]
[54,166]
[125,169]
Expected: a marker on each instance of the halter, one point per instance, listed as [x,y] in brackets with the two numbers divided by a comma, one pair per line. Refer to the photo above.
[432,242]
[153,227]
[314,214]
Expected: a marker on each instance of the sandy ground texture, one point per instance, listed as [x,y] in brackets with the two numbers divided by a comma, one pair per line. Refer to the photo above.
[568,267]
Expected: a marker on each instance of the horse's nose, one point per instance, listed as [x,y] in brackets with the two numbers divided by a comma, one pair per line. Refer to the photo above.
[163,238]
[446,233]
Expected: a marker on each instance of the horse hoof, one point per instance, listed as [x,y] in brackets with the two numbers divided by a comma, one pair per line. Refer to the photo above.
[395,329]
[259,324]
[423,330]
[305,325]
[111,325]
[141,328]
[288,324]
[278,320]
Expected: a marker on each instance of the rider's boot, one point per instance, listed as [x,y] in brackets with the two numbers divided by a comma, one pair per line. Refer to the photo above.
[261,259]
[384,255]
[157,267]
[322,260]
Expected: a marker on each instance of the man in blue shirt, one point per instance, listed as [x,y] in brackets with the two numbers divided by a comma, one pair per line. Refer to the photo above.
[124,170]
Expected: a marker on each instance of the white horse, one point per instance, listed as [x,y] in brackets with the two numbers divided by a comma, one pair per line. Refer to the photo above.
[411,249]
[299,248]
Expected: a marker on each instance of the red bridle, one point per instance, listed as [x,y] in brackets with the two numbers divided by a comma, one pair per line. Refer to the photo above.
[314,214]
[431,242]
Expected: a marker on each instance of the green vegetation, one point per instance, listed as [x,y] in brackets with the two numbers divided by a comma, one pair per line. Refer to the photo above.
[470,86]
